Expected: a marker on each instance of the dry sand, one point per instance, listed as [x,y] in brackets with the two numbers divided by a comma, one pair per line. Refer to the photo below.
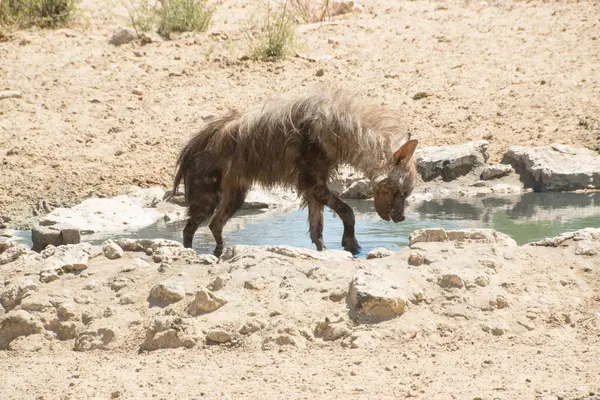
[511,72]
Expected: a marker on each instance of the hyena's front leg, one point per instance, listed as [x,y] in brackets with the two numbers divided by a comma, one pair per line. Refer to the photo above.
[344,211]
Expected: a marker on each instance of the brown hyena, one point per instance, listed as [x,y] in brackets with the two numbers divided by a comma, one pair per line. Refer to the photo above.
[297,142]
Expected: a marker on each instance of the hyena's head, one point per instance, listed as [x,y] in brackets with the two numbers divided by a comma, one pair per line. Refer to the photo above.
[390,192]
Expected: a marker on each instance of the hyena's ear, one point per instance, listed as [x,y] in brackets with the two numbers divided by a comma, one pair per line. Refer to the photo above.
[405,151]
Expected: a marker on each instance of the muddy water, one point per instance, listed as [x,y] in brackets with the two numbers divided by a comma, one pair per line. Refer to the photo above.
[525,218]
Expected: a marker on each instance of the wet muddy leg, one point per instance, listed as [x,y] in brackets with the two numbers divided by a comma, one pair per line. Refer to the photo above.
[198,212]
[344,211]
[230,203]
[316,221]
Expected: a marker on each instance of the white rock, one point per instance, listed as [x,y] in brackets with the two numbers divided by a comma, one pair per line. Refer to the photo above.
[166,293]
[219,336]
[451,162]
[205,302]
[374,297]
[586,248]
[56,235]
[462,235]
[170,332]
[111,250]
[100,215]
[379,252]
[495,171]
[555,167]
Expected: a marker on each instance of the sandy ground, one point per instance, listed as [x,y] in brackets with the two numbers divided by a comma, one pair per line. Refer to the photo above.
[529,331]
[510,72]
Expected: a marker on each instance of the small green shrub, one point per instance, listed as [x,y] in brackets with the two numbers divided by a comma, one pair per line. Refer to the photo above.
[276,36]
[43,13]
[183,16]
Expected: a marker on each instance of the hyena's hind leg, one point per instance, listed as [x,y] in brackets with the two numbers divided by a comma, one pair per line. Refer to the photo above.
[315,220]
[231,201]
[204,197]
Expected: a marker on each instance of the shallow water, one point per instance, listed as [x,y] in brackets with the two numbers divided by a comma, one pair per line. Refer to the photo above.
[526,218]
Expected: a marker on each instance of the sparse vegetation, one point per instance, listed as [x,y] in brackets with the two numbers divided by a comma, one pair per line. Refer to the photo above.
[169,16]
[43,13]
[275,37]
[310,11]
[141,15]
[183,16]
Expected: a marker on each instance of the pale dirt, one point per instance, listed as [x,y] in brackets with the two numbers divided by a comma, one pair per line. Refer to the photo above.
[543,302]
[483,65]
[511,72]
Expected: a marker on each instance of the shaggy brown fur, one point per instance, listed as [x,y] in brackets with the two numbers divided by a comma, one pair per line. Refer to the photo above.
[297,142]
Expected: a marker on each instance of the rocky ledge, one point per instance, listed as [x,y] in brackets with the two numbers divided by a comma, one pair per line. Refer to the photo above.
[154,294]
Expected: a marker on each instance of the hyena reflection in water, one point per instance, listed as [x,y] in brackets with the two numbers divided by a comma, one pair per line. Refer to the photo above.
[297,142]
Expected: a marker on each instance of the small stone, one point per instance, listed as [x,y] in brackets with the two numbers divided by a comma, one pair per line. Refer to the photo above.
[219,336]
[67,258]
[48,276]
[119,283]
[374,297]
[494,330]
[252,326]
[416,259]
[205,302]
[217,284]
[137,92]
[331,331]
[449,281]
[115,395]
[499,302]
[420,95]
[122,36]
[495,171]
[338,295]
[255,284]
[119,152]
[379,252]
[320,72]
[482,281]
[166,293]
[169,332]
[526,323]
[111,250]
